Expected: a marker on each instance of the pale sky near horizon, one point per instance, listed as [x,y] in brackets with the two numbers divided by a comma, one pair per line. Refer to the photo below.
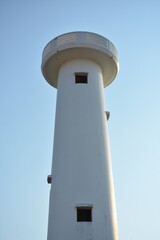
[27,111]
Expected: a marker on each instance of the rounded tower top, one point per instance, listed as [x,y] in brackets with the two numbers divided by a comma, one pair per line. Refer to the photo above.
[76,45]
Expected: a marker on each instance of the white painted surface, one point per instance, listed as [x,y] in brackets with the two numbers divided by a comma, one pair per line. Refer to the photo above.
[81,169]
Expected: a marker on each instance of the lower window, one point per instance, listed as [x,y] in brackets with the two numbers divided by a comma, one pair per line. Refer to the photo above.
[84,214]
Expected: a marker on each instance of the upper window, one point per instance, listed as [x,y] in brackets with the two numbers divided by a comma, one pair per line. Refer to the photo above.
[81,78]
[84,214]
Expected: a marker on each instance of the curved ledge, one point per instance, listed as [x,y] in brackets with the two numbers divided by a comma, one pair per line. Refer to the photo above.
[79,45]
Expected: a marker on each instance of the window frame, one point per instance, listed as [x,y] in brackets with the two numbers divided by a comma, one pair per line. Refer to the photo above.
[81,74]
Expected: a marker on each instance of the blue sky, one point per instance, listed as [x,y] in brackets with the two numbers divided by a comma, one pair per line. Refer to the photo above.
[27,107]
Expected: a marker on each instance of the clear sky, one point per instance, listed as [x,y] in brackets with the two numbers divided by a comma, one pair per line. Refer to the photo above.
[27,111]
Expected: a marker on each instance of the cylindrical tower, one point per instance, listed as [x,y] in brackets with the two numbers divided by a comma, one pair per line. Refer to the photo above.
[82,202]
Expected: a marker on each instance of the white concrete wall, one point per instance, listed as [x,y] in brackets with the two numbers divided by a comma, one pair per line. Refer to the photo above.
[81,169]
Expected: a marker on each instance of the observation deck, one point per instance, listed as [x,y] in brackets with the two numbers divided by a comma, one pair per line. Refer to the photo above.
[76,45]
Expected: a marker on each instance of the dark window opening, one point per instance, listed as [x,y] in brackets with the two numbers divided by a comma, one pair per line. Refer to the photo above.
[84,214]
[81,78]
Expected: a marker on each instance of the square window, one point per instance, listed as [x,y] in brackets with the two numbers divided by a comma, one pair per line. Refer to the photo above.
[84,214]
[81,78]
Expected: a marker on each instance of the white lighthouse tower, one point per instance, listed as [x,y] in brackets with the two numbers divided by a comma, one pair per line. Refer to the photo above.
[82,201]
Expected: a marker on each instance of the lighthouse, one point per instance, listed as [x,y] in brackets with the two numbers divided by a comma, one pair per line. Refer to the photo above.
[82,201]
